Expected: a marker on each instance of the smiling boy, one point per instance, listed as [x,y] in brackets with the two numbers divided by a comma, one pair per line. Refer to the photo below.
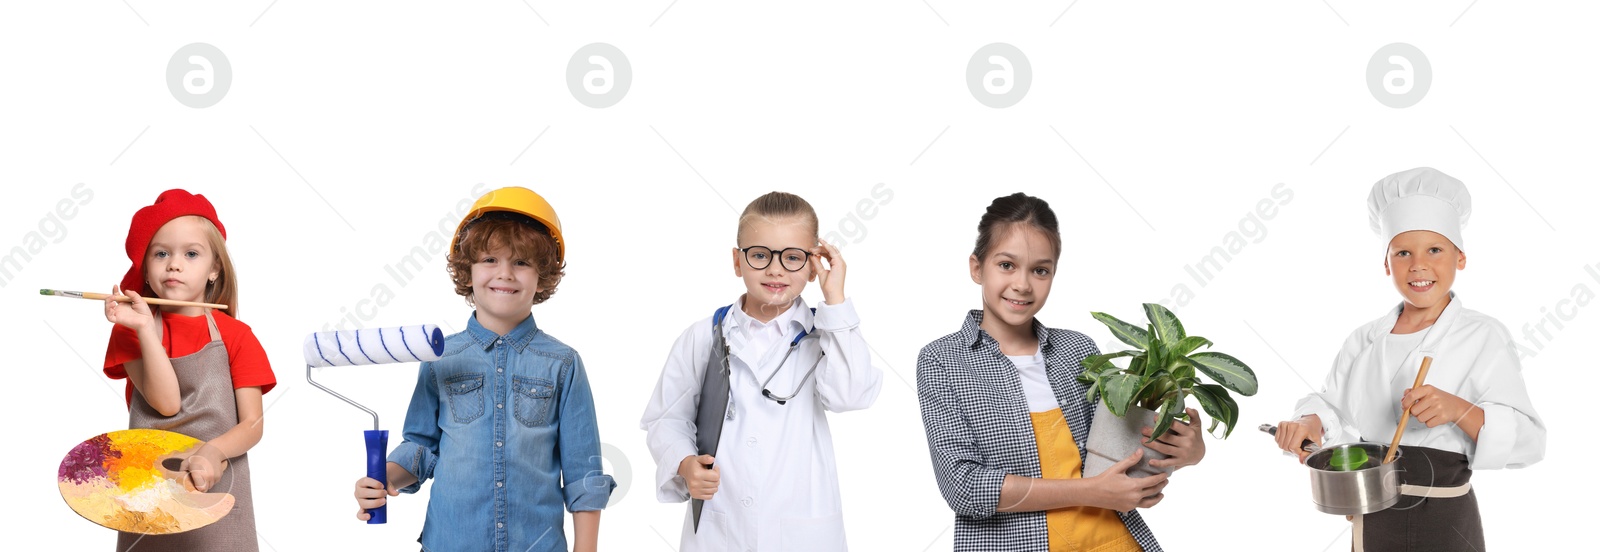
[504,422]
[1473,413]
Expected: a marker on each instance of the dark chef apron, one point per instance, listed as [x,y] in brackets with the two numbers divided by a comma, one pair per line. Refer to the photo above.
[1437,510]
[208,410]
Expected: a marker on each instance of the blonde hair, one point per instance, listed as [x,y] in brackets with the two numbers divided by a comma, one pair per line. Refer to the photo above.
[777,205]
[226,289]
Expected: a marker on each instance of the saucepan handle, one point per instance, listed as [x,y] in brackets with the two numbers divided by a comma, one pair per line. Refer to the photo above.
[1306,445]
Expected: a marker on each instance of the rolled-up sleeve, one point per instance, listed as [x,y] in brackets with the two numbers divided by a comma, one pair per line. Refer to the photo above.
[970,488]
[1513,434]
[584,485]
[419,449]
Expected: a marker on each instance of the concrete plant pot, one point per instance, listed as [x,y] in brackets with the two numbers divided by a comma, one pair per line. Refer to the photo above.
[1113,438]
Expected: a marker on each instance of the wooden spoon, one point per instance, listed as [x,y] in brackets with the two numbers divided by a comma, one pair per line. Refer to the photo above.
[1394,446]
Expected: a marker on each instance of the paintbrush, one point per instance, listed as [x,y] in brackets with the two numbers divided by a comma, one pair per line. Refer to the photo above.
[126,299]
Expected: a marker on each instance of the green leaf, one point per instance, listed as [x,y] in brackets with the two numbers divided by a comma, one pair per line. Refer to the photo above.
[1127,333]
[1226,370]
[1154,389]
[1093,379]
[1233,413]
[1093,363]
[1165,415]
[1156,356]
[1088,377]
[1209,403]
[1189,344]
[1167,326]
[1118,389]
[1136,366]
[1215,401]
[1183,371]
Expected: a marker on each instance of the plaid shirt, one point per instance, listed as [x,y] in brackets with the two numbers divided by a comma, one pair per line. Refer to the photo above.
[976,416]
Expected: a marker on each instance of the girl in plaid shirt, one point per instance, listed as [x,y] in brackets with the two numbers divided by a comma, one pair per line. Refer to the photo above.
[1005,414]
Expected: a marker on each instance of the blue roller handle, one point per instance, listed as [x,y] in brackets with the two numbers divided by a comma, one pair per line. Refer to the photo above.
[377,443]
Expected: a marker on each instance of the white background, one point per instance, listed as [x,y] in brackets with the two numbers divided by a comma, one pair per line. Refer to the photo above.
[352,131]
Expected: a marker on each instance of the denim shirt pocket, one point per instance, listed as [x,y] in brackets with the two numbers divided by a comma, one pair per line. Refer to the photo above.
[465,392]
[533,400]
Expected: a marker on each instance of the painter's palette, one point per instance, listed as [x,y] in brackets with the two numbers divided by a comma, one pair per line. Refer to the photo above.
[117,480]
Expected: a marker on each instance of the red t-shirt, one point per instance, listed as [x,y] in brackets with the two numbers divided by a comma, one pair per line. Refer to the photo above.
[186,335]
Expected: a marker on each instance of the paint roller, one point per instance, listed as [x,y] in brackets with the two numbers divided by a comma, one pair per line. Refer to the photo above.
[372,346]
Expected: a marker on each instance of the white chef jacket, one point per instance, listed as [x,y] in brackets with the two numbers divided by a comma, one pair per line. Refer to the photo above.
[779,488]
[1473,358]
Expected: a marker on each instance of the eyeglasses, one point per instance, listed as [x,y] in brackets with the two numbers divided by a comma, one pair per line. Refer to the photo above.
[793,259]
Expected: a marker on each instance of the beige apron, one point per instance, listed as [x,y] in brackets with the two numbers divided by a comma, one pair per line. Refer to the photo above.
[208,410]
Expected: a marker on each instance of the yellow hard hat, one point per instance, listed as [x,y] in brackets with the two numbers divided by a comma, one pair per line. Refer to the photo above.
[516,200]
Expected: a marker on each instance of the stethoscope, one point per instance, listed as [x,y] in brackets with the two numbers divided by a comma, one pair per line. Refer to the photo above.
[792,345]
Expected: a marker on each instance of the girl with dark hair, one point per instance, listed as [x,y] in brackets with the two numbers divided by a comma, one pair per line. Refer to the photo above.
[1005,415]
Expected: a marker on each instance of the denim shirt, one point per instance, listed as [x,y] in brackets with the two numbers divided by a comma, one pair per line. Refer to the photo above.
[505,426]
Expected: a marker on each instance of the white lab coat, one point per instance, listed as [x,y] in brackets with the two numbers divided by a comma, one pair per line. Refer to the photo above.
[1473,358]
[779,488]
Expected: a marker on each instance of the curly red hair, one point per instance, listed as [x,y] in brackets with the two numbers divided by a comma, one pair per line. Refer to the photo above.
[528,241]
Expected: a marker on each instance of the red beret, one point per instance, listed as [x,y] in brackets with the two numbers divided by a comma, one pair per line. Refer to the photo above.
[169,205]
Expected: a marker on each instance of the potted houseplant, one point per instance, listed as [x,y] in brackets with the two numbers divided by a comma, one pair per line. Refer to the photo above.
[1162,371]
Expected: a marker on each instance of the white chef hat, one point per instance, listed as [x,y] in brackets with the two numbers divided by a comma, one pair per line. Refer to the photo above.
[1419,199]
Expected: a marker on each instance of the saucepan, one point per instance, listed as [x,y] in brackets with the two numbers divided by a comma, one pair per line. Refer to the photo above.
[1350,479]
[1357,478]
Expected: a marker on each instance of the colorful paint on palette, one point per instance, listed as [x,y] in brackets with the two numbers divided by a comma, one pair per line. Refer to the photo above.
[116,480]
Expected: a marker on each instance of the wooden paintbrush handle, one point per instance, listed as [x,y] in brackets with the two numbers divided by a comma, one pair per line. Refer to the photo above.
[1394,447]
[153,301]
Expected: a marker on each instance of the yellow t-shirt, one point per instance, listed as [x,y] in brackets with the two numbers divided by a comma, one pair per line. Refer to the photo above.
[1079,528]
